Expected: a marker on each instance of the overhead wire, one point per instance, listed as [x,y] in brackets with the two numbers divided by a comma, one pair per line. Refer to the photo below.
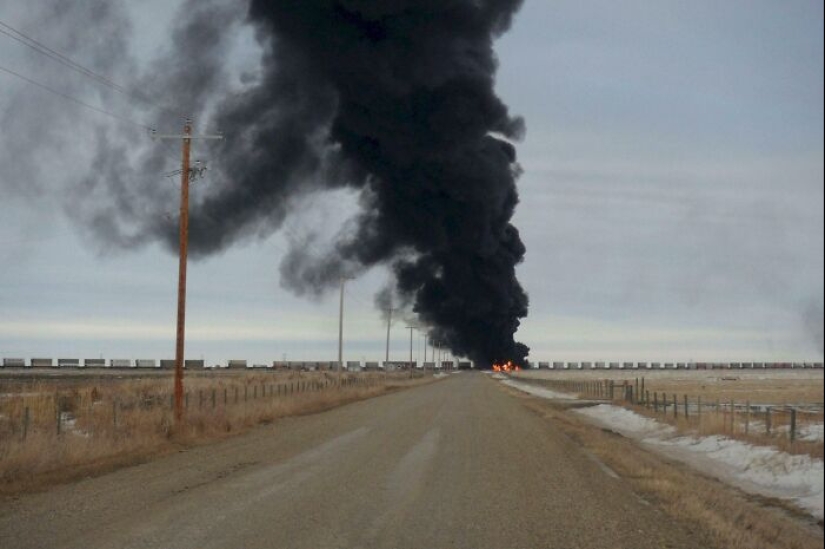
[74,99]
[65,61]
[58,57]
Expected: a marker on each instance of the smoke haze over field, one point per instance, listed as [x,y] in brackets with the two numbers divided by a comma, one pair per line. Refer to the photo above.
[393,99]
[669,188]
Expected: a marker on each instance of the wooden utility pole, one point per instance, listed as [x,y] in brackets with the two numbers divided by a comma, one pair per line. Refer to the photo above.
[341,327]
[389,323]
[182,261]
[411,328]
[186,175]
[341,330]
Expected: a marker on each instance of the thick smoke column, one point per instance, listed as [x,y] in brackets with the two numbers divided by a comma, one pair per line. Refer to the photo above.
[392,99]
[398,98]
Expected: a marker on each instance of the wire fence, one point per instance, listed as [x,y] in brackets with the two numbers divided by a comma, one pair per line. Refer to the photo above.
[706,413]
[109,410]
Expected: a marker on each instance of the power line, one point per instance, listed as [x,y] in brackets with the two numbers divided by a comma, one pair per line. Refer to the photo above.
[73,99]
[58,57]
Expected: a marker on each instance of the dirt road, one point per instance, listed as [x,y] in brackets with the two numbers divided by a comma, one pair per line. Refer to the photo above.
[455,464]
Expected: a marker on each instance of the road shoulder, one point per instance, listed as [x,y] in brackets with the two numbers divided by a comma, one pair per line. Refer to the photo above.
[731,517]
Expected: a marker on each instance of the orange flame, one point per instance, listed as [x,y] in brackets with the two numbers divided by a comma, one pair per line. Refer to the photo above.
[506,367]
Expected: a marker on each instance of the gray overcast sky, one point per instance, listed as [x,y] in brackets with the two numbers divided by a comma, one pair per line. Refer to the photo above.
[672,200]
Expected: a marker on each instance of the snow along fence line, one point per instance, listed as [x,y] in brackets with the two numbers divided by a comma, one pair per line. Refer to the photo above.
[755,468]
[796,428]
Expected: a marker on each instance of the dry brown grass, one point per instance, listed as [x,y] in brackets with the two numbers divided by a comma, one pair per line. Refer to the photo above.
[776,387]
[741,425]
[112,424]
[733,519]
[775,390]
[711,396]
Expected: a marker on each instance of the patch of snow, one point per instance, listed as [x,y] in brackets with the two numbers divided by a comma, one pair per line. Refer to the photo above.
[812,432]
[809,432]
[20,395]
[626,422]
[534,390]
[757,469]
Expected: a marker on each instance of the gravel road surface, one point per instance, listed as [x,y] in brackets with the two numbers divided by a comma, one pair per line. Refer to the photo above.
[455,464]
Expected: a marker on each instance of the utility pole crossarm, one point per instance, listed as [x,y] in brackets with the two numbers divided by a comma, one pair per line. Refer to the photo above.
[185,136]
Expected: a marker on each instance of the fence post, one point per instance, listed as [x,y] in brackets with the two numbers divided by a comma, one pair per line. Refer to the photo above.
[25,422]
[664,403]
[612,387]
[768,419]
[793,425]
[724,416]
[644,393]
[655,402]
[732,417]
[675,406]
[647,399]
[59,419]
[699,409]
[747,416]
[114,413]
[686,407]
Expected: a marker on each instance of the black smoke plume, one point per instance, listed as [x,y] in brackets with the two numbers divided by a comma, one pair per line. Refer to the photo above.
[398,98]
[394,98]
[391,99]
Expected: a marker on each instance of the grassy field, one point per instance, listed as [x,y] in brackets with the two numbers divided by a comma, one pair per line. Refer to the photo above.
[756,406]
[778,387]
[60,427]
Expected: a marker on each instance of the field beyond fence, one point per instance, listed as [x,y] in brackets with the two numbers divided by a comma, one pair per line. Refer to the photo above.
[781,410]
[66,428]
